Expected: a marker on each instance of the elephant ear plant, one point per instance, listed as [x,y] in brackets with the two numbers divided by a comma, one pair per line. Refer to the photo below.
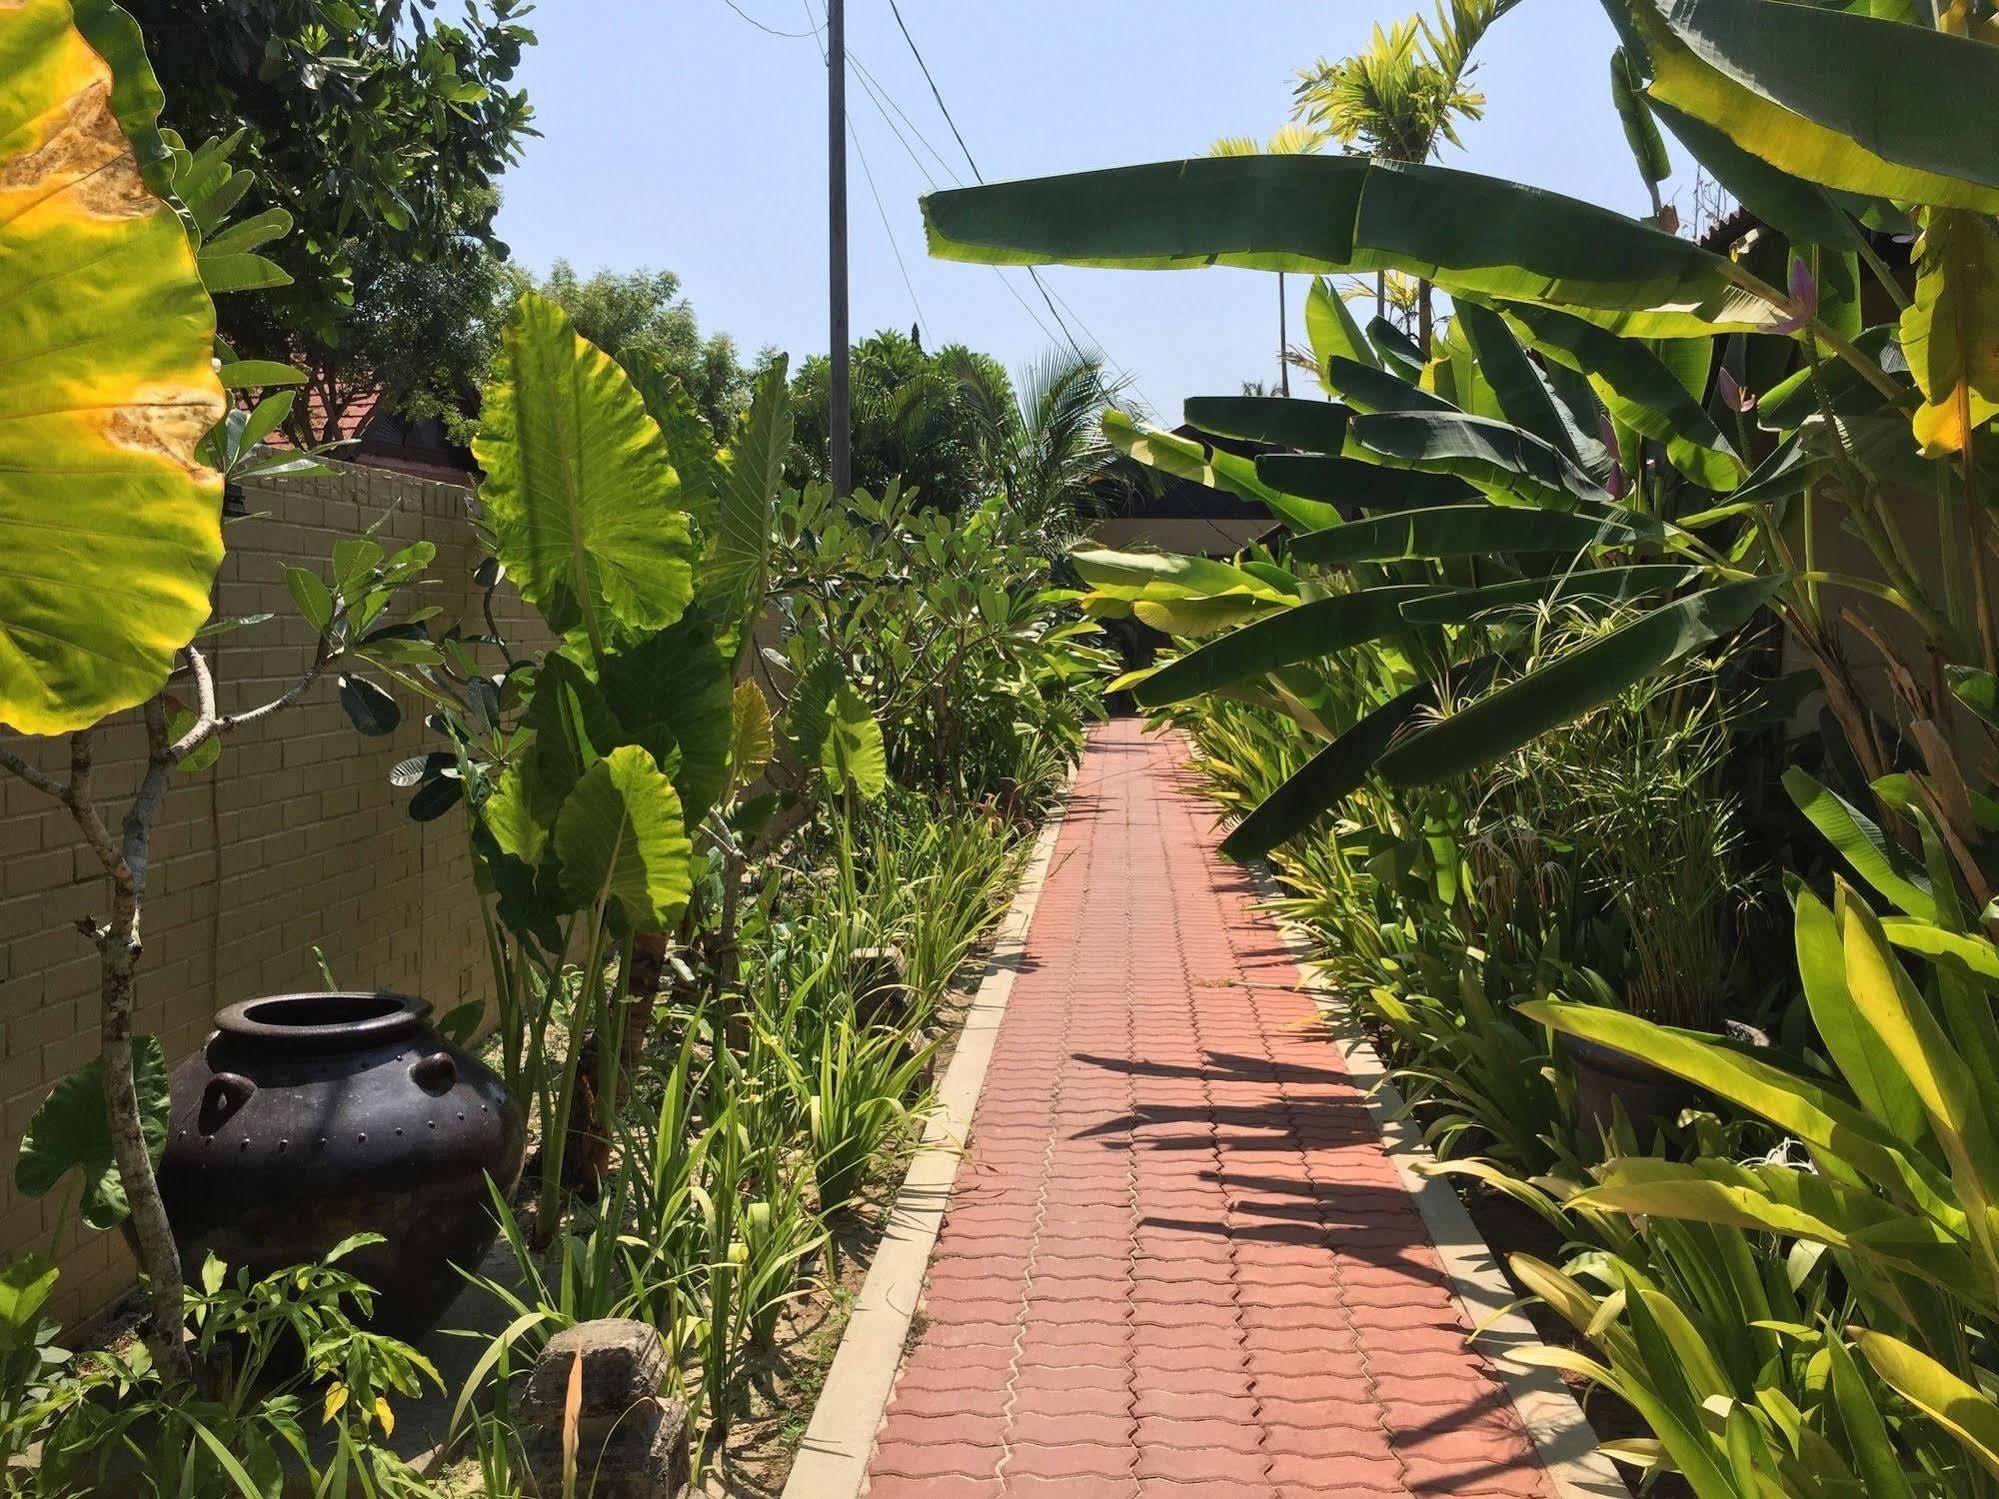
[605,779]
[113,458]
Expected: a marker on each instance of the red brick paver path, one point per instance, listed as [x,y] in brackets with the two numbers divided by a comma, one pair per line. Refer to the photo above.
[1177,1263]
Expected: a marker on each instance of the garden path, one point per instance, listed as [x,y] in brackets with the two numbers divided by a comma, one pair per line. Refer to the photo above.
[1176,1262]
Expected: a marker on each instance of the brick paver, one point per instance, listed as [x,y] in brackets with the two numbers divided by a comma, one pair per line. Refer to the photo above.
[1176,1262]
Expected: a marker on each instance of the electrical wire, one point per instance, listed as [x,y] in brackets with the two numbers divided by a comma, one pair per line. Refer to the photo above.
[1033,274]
[798,36]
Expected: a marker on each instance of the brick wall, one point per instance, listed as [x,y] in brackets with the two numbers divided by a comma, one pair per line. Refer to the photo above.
[294,838]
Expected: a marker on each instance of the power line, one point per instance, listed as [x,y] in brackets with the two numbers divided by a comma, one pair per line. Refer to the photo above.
[1033,274]
[894,249]
[772,30]
[935,92]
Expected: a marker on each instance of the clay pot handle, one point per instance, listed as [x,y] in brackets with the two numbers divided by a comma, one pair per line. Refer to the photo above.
[226,1093]
[436,1073]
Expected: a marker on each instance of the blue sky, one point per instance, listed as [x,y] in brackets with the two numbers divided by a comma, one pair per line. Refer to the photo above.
[677,135]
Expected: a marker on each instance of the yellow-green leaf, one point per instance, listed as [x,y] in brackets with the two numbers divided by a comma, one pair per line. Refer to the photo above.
[1961,1409]
[113,526]
[582,503]
[1950,332]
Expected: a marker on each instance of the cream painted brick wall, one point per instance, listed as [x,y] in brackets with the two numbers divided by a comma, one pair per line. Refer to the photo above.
[294,838]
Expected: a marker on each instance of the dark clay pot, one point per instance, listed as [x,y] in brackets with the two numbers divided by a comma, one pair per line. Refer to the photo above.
[310,1117]
[1604,1078]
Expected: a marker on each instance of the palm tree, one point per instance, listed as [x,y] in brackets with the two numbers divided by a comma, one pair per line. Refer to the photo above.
[1041,434]
[1290,140]
[1401,97]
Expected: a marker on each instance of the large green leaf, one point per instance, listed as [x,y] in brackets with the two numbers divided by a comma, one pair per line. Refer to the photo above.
[1863,845]
[1184,458]
[113,525]
[1962,1409]
[1170,575]
[621,839]
[1523,396]
[1316,628]
[738,559]
[1833,96]
[1841,1135]
[1881,1087]
[675,688]
[853,757]
[71,1131]
[1639,391]
[1353,483]
[1350,213]
[1492,455]
[1465,531]
[580,497]
[808,711]
[1803,212]
[1367,387]
[1601,584]
[1309,426]
[1572,684]
[1331,330]
[690,441]
[1336,771]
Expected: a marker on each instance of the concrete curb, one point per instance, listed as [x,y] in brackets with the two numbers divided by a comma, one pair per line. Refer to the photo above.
[832,1461]
[1561,1433]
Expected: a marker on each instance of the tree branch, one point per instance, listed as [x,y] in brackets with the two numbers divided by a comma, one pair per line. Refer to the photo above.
[43,782]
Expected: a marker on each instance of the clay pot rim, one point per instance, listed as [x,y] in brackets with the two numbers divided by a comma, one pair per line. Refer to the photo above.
[293,1022]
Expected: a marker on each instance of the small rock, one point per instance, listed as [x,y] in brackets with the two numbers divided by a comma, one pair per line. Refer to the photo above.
[643,1454]
[623,1362]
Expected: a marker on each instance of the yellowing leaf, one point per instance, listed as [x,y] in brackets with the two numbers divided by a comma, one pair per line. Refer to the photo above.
[754,740]
[336,1401]
[113,526]
[1950,333]
[384,1415]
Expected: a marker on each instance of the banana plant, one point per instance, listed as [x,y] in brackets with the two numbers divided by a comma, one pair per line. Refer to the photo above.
[1721,412]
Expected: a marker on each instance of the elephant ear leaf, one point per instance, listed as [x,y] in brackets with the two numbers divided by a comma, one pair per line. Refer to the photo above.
[853,756]
[71,1131]
[739,556]
[582,503]
[620,838]
[107,387]
[753,740]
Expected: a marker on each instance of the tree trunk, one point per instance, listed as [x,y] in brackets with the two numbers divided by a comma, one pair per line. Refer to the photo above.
[1283,341]
[158,1255]
[1423,293]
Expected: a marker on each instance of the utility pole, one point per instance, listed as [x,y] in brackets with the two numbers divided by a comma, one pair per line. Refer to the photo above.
[841,403]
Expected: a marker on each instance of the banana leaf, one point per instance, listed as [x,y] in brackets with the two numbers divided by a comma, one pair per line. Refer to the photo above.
[1803,212]
[1572,684]
[1306,479]
[1524,398]
[1604,584]
[1640,391]
[1491,455]
[1466,531]
[1316,628]
[1333,214]
[1838,98]
[1368,388]
[1331,330]
[1309,426]
[1336,771]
